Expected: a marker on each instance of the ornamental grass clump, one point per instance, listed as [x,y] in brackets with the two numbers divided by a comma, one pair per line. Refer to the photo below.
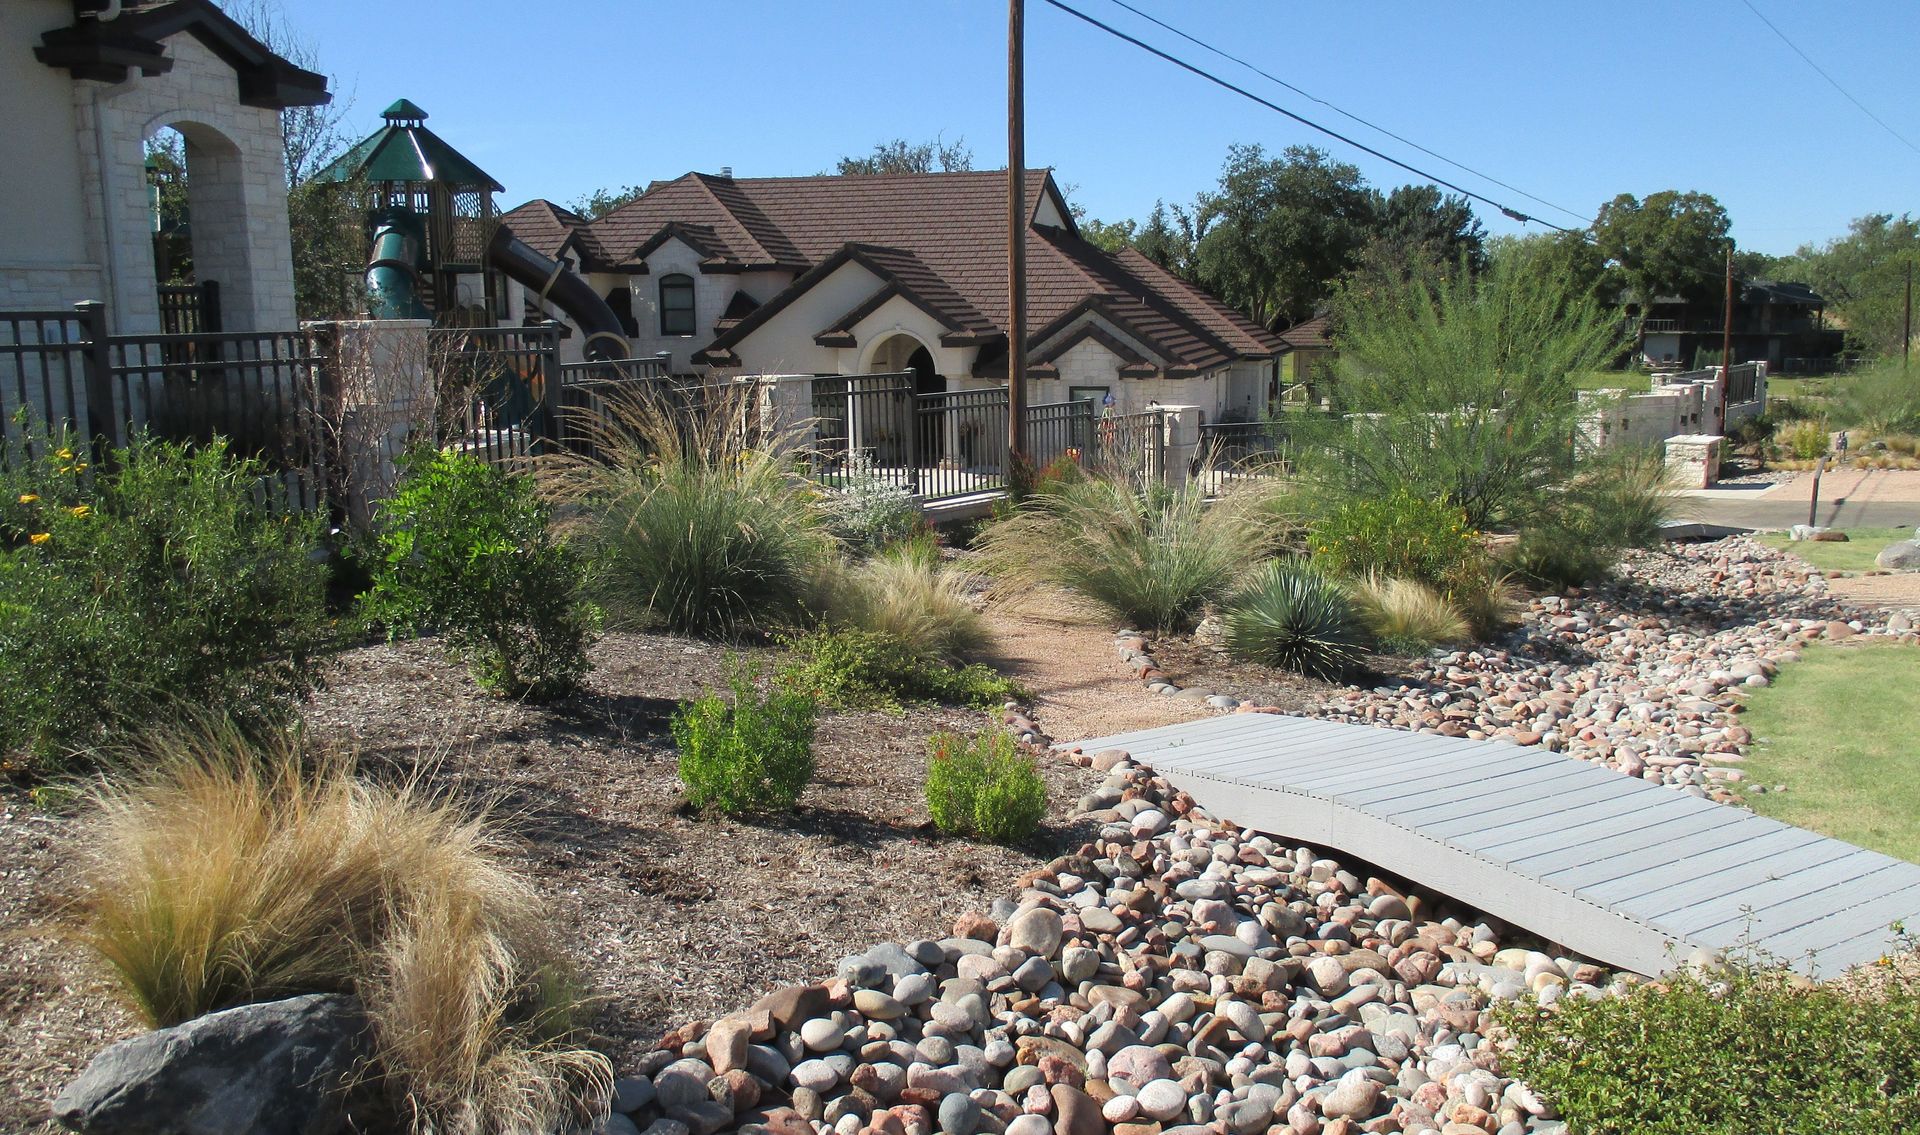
[906,592]
[751,755]
[1296,618]
[1408,617]
[1619,501]
[158,584]
[1150,558]
[466,549]
[692,526]
[984,786]
[228,870]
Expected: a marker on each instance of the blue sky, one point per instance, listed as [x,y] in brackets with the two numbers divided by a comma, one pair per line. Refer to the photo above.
[1574,103]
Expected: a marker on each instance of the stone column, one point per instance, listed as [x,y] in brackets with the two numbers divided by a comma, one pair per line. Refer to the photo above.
[1693,460]
[1182,443]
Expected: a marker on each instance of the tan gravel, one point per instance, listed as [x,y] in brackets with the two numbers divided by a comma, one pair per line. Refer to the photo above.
[1080,687]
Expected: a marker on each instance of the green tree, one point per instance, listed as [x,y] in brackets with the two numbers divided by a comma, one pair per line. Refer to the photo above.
[1167,238]
[605,200]
[1110,237]
[1461,389]
[1419,225]
[1863,276]
[1272,239]
[1571,257]
[902,156]
[1672,243]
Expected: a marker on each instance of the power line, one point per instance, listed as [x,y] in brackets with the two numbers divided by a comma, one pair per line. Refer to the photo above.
[1831,81]
[1151,18]
[1507,210]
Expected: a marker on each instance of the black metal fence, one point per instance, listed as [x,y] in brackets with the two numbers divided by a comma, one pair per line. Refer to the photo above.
[190,309]
[52,373]
[1245,447]
[1131,445]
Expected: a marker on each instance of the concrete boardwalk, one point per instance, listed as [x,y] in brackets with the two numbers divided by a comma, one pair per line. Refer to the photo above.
[1609,866]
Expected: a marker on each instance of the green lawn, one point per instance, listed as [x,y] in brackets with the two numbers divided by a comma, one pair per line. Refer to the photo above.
[1837,728]
[1633,382]
[1855,555]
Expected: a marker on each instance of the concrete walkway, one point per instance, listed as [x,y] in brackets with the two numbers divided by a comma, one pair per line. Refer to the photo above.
[1849,498]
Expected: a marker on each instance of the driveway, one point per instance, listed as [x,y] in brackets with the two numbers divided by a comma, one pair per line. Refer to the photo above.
[1849,498]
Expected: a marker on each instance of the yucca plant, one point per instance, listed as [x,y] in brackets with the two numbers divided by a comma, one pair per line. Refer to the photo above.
[693,524]
[1151,558]
[1295,618]
[1407,616]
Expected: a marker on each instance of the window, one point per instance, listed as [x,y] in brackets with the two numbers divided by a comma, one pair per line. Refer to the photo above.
[676,305]
[1094,394]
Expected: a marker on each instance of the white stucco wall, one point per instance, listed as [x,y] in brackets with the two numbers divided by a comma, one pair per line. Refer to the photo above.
[46,257]
[80,226]
[784,344]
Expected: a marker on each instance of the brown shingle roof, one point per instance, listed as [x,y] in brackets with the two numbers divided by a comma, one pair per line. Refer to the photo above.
[545,227]
[940,239]
[1310,334]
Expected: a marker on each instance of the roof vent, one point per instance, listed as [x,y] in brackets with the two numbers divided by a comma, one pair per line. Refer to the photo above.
[726,171]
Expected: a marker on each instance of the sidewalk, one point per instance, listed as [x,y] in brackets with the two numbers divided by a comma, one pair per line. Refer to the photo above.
[1849,498]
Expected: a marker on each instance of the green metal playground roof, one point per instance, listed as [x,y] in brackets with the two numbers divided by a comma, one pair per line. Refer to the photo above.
[405,150]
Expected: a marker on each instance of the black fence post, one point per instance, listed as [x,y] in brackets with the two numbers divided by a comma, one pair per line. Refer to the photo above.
[103,425]
[547,413]
[210,306]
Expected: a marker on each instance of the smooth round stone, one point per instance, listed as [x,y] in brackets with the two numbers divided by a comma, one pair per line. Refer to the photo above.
[814,1075]
[1077,964]
[959,1115]
[1030,1124]
[877,1005]
[915,989]
[1033,974]
[823,1034]
[1138,1065]
[935,1050]
[1036,930]
[1120,1109]
[1019,1078]
[1162,1099]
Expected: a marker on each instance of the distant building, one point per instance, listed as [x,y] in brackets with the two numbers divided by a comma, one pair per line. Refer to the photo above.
[901,272]
[1780,324]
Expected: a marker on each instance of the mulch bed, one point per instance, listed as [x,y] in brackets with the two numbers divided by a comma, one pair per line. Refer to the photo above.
[671,915]
[1193,664]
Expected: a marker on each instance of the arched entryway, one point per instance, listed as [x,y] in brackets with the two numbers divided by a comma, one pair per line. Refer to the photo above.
[197,190]
[904,354]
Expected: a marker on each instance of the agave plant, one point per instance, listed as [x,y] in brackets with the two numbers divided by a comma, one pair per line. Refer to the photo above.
[1295,618]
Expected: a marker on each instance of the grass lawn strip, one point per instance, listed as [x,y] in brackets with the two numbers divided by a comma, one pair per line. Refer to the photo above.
[1856,554]
[1836,729]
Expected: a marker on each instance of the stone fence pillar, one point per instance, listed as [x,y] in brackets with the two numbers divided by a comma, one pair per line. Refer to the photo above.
[1182,443]
[381,390]
[1693,460]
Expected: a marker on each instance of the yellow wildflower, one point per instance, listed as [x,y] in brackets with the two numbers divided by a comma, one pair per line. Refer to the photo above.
[64,454]
[40,537]
[29,498]
[80,510]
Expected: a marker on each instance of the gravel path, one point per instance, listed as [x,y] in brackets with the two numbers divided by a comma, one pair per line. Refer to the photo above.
[1078,688]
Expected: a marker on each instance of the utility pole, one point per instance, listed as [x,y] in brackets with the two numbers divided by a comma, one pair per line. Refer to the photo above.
[1906,333]
[1016,239]
[1726,341]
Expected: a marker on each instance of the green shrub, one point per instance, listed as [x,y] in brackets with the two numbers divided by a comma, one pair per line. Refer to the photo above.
[1619,501]
[466,548]
[1152,558]
[1807,440]
[1747,1049]
[1295,618]
[869,512]
[858,669]
[1401,535]
[1407,616]
[983,786]
[753,755]
[1881,399]
[1489,600]
[157,586]
[907,592]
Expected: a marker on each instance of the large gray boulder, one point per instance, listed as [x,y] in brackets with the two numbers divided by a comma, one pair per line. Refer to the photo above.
[278,1068]
[1901,555]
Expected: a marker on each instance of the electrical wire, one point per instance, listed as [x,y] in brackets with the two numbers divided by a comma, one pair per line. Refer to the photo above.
[1831,81]
[1505,209]
[1204,45]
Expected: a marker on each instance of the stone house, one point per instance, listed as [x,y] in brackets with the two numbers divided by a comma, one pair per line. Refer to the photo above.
[835,275]
[84,84]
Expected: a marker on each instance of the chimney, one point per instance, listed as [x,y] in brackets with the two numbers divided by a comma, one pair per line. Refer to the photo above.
[726,171]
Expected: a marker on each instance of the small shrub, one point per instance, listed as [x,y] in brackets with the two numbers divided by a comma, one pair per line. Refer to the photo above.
[1401,535]
[1807,440]
[1700,1054]
[1490,601]
[466,548]
[1619,501]
[754,754]
[230,870]
[1408,617]
[1881,399]
[983,786]
[1296,618]
[856,669]
[158,585]
[869,512]
[1151,558]
[906,592]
